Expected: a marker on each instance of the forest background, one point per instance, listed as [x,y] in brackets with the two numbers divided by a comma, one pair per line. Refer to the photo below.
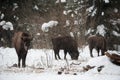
[78,18]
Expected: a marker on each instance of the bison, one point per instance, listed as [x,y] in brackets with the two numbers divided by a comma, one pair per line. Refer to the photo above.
[21,42]
[68,44]
[98,42]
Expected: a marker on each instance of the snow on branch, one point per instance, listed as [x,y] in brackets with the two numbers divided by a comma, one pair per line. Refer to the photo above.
[116,33]
[101,30]
[58,1]
[6,25]
[45,26]
[106,1]
[2,16]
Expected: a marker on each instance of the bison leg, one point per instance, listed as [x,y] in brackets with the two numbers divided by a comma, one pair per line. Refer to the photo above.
[98,51]
[91,52]
[56,51]
[58,55]
[65,52]
[24,60]
[103,52]
[19,59]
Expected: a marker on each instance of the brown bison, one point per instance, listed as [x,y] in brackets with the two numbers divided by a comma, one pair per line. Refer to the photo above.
[97,42]
[68,44]
[21,42]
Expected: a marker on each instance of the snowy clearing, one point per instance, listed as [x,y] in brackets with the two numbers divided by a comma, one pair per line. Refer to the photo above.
[42,65]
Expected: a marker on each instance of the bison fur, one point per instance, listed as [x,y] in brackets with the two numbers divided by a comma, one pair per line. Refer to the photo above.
[21,42]
[98,42]
[68,44]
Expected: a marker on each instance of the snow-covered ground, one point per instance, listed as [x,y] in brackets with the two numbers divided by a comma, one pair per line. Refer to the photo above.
[41,65]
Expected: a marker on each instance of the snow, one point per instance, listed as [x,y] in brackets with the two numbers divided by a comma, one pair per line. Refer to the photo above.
[71,34]
[17,18]
[42,65]
[76,22]
[38,34]
[36,7]
[2,23]
[115,10]
[63,1]
[67,23]
[15,6]
[45,26]
[6,25]
[90,9]
[114,22]
[101,30]
[2,16]
[65,12]
[116,33]
[94,12]
[106,1]
[72,15]
[102,14]
[89,31]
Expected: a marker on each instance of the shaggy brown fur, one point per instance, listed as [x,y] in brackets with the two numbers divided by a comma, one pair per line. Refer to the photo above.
[68,44]
[21,42]
[97,42]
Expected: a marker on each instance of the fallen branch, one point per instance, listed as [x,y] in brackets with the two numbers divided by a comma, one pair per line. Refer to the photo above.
[114,58]
[88,67]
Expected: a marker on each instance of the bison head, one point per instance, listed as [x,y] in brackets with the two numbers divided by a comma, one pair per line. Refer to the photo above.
[74,55]
[26,41]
